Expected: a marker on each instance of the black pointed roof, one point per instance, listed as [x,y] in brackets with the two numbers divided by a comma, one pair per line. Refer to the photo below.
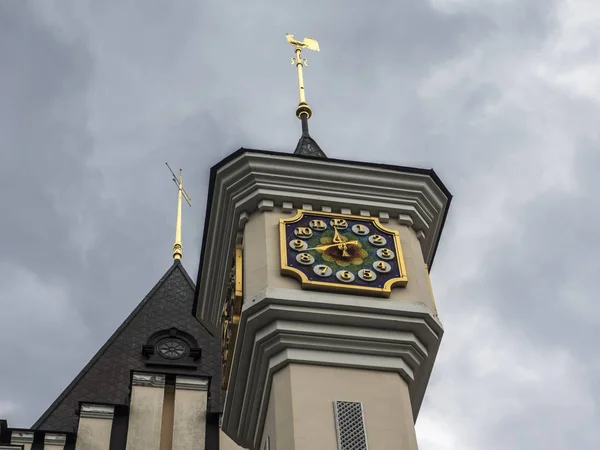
[106,378]
[307,146]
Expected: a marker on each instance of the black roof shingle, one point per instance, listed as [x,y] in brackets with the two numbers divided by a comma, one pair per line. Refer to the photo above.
[106,378]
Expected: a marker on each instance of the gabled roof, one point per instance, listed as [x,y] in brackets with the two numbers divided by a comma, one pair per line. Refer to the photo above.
[106,378]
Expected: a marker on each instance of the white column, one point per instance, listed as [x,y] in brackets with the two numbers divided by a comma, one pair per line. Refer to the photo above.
[95,426]
[24,438]
[145,412]
[189,422]
[54,441]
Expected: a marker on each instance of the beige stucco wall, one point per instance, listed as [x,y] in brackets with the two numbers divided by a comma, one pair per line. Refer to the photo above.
[145,418]
[301,414]
[17,439]
[93,434]
[189,423]
[53,447]
[225,443]
[262,260]
[26,446]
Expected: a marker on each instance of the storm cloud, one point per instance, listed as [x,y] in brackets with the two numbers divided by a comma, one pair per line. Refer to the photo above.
[501,98]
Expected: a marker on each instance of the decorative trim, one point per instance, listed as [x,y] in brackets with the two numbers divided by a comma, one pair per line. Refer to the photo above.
[192,384]
[55,439]
[384,217]
[148,379]
[191,350]
[95,411]
[21,437]
[266,205]
[241,182]
[283,326]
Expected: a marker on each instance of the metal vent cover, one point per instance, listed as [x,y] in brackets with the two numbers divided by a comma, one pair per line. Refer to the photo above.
[350,425]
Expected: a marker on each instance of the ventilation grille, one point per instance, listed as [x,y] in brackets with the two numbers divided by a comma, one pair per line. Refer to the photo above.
[350,426]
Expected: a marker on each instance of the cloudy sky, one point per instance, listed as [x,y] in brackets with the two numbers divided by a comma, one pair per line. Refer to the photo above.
[500,97]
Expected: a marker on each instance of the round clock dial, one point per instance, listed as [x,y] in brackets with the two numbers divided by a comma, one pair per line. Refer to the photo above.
[341,252]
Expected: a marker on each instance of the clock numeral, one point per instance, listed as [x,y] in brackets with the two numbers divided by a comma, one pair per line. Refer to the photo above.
[385,253]
[322,270]
[318,224]
[367,274]
[303,232]
[382,266]
[339,223]
[360,229]
[377,239]
[305,258]
[345,275]
[298,244]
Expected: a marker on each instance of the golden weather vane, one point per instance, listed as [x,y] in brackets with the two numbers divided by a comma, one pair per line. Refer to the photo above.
[177,249]
[310,44]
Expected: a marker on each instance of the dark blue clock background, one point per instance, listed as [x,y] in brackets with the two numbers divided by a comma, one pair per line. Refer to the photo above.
[360,257]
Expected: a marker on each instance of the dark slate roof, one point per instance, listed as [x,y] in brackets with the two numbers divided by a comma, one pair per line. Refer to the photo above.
[106,378]
[307,146]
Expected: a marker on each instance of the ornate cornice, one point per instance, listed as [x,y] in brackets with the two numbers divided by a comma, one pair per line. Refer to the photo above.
[148,379]
[21,437]
[96,411]
[282,326]
[55,439]
[193,384]
[251,180]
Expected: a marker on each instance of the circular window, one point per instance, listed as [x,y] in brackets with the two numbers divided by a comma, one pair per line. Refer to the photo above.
[171,348]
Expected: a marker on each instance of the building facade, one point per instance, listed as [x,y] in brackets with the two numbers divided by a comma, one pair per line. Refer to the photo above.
[312,323]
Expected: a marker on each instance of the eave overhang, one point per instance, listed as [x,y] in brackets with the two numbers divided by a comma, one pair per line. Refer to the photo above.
[247,179]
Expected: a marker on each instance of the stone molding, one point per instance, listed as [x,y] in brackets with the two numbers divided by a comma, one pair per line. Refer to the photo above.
[283,326]
[253,181]
[96,411]
[55,439]
[21,437]
[148,379]
[192,384]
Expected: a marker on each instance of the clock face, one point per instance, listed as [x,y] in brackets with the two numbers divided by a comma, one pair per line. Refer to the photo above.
[232,309]
[342,253]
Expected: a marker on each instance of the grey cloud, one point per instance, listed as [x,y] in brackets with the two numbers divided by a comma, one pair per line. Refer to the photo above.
[96,96]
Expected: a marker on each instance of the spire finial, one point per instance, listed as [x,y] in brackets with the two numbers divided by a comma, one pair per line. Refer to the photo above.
[306,145]
[177,249]
[303,110]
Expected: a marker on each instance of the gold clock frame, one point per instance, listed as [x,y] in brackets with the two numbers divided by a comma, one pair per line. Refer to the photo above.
[232,323]
[384,291]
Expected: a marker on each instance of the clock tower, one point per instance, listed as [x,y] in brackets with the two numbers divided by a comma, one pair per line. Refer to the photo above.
[315,272]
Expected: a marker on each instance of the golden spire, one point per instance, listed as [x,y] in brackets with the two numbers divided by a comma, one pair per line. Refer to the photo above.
[177,250]
[303,109]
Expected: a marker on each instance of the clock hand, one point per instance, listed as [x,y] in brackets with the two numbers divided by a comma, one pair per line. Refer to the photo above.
[336,236]
[339,245]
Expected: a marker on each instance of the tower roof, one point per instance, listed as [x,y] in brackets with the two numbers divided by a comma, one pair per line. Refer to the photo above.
[307,146]
[106,377]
